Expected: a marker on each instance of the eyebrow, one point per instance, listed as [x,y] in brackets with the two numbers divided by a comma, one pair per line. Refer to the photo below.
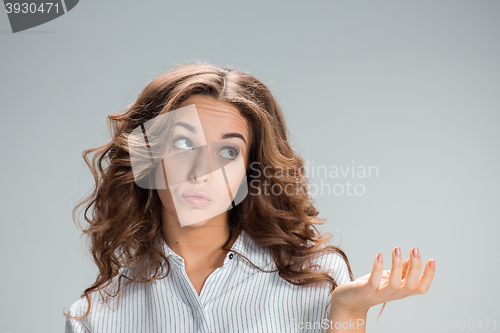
[234,135]
[223,136]
[186,126]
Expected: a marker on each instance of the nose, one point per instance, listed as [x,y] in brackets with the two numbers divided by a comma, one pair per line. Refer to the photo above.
[202,165]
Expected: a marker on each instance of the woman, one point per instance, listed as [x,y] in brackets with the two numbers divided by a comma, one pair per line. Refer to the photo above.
[187,236]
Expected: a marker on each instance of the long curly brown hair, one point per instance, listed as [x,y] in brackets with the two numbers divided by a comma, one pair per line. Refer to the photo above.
[125,219]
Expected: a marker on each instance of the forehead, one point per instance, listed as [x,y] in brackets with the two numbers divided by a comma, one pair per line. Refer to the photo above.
[218,116]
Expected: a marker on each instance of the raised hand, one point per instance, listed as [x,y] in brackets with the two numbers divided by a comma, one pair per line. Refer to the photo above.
[353,299]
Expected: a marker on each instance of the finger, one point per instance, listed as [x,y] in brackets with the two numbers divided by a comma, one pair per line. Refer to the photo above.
[412,277]
[406,265]
[426,278]
[397,270]
[376,275]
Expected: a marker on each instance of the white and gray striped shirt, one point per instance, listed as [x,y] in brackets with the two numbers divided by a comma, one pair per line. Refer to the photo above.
[236,297]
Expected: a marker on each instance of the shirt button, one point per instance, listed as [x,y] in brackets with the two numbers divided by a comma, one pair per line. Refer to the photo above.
[231,256]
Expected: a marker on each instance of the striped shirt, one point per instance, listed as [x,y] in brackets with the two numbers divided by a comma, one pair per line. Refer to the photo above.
[236,297]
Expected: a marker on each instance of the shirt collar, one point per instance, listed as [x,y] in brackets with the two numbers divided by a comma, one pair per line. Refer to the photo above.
[244,246]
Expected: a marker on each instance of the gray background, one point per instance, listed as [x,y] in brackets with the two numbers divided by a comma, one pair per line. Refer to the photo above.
[409,87]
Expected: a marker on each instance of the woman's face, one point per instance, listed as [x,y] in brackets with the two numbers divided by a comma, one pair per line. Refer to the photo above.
[205,162]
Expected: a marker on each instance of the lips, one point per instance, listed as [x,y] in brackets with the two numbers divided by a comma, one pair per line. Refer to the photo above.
[198,198]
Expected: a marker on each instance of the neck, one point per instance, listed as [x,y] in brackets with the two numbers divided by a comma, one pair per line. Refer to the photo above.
[200,243]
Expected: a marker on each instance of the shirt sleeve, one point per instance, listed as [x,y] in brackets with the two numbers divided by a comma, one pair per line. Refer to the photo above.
[340,271]
[337,268]
[73,325]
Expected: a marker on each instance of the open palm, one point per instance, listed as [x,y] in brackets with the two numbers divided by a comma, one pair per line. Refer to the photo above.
[382,286]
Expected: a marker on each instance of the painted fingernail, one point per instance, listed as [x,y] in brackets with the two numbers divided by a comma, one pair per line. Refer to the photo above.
[397,252]
[432,264]
[379,257]
[415,252]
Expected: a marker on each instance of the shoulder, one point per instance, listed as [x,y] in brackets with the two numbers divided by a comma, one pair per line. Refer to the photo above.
[119,284]
[100,302]
[77,309]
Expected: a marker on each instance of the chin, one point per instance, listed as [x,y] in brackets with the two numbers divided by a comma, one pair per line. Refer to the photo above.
[198,224]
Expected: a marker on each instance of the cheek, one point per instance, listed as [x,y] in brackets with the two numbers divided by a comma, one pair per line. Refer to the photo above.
[167,202]
[235,173]
[164,193]
[166,198]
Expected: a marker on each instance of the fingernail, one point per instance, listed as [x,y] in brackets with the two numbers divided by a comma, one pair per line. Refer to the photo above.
[379,257]
[432,264]
[415,252]
[397,252]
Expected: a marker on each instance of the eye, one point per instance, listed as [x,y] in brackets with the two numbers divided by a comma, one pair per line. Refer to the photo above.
[183,143]
[229,152]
